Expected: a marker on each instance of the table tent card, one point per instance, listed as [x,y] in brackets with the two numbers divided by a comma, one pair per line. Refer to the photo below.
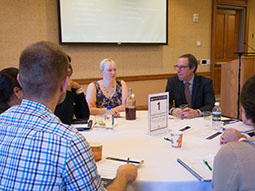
[158,106]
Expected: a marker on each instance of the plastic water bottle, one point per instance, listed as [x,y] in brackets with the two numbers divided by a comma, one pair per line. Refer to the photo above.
[109,118]
[216,116]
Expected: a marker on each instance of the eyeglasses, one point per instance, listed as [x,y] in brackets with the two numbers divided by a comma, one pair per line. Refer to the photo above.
[176,67]
[110,70]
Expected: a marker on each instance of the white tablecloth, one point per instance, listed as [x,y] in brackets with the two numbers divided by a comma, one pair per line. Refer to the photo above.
[160,171]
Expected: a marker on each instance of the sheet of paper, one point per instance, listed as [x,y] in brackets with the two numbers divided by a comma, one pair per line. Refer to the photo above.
[198,165]
[108,168]
[240,126]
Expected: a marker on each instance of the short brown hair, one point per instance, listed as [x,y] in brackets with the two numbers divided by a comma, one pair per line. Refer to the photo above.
[43,65]
[192,61]
[247,99]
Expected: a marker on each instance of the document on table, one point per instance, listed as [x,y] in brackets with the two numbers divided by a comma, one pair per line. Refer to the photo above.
[199,167]
[107,168]
[240,126]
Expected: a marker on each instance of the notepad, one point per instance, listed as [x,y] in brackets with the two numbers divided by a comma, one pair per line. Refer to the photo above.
[241,127]
[108,168]
[198,168]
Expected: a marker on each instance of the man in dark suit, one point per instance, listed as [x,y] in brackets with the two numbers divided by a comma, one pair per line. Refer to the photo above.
[188,88]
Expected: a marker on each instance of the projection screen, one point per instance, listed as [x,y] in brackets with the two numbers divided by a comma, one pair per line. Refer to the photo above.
[113,21]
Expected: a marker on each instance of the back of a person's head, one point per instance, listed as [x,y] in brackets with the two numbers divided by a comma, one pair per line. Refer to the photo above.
[13,72]
[247,98]
[43,65]
[192,61]
[8,80]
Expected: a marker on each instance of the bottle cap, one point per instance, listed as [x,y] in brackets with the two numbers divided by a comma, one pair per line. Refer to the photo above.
[108,107]
[216,103]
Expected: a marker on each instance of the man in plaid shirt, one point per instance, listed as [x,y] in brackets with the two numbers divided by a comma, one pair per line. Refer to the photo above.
[37,151]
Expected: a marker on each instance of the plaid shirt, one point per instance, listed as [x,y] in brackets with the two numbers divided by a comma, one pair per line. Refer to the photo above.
[38,152]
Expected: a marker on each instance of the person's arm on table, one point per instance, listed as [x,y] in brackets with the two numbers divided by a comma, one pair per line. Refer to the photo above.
[126,173]
[230,135]
[190,113]
[177,112]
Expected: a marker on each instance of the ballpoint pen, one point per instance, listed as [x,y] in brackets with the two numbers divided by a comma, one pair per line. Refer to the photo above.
[167,139]
[206,163]
[127,160]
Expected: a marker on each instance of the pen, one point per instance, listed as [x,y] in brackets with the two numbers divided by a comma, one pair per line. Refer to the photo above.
[206,163]
[127,160]
[124,160]
[167,139]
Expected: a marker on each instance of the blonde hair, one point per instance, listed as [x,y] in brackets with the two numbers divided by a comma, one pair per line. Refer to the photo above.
[104,62]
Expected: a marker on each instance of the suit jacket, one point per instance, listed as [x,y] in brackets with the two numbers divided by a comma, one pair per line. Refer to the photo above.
[202,93]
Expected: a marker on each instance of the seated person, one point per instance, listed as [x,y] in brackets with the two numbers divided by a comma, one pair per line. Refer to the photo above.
[188,88]
[108,91]
[42,153]
[72,102]
[10,91]
[230,134]
[234,163]
[12,94]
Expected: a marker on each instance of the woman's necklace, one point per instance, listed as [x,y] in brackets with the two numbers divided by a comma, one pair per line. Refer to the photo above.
[108,92]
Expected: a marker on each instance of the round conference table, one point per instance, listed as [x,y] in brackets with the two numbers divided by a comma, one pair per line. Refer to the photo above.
[160,171]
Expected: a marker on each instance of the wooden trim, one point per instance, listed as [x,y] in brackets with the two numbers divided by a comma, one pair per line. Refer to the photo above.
[246,33]
[141,107]
[145,77]
[233,2]
[136,78]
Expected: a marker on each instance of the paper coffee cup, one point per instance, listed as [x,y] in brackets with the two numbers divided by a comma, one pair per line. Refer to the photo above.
[97,149]
[176,139]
